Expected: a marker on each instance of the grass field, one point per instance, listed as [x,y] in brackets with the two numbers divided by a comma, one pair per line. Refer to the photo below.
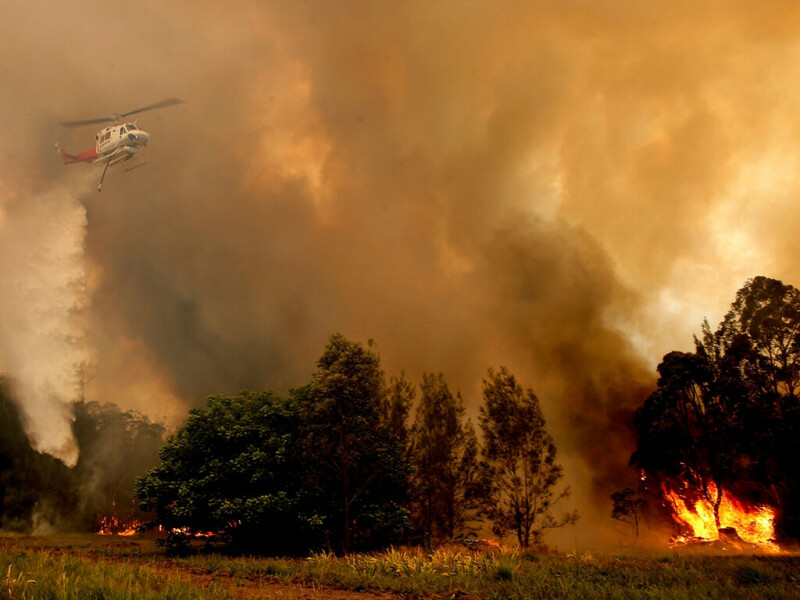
[94,567]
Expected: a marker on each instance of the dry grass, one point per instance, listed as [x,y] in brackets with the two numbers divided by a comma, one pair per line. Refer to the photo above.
[91,567]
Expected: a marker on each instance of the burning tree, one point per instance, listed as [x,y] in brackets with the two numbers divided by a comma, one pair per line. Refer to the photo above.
[684,434]
[759,341]
[718,439]
[519,462]
[116,447]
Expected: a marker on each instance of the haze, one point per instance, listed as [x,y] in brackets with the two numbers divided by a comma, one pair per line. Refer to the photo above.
[566,188]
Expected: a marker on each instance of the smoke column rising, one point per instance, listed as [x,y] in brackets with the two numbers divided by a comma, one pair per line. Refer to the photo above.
[42,302]
[565,188]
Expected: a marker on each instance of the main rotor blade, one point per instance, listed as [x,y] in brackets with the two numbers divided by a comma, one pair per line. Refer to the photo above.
[161,104]
[71,124]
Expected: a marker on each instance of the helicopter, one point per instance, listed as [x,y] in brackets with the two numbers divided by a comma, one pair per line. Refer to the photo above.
[116,143]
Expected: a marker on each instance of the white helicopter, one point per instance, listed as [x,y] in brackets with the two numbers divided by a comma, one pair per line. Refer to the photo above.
[114,144]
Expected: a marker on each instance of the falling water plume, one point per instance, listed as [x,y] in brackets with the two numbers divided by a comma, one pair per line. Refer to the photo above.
[42,301]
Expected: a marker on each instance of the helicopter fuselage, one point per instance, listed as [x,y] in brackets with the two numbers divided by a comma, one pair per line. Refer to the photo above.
[112,145]
[118,143]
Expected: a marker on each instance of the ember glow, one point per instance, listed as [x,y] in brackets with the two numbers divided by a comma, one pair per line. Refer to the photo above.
[113,525]
[754,525]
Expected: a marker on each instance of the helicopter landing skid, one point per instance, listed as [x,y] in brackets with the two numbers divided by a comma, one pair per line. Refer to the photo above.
[139,163]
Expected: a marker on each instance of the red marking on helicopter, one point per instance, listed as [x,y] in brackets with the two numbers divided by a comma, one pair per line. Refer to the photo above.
[87,156]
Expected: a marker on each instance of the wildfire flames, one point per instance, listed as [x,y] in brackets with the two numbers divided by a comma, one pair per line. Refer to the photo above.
[114,526]
[753,525]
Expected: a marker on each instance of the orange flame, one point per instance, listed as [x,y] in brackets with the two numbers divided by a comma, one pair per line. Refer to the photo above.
[753,525]
[114,526]
[197,534]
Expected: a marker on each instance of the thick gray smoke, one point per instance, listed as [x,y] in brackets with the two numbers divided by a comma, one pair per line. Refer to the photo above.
[565,188]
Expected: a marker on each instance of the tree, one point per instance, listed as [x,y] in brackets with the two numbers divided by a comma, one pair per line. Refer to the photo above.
[232,471]
[761,331]
[116,447]
[397,404]
[726,418]
[684,431]
[759,341]
[519,462]
[355,464]
[444,457]
[263,473]
[629,509]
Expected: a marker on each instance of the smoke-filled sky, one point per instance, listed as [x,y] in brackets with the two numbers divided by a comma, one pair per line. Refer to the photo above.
[564,187]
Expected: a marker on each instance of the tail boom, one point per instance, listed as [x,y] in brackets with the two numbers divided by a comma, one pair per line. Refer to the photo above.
[87,156]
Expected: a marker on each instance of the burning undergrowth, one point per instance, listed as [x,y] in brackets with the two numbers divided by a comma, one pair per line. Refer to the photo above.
[113,525]
[40,494]
[720,520]
[718,439]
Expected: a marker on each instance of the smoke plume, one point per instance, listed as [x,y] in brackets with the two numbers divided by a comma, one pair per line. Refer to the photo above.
[43,291]
[564,188]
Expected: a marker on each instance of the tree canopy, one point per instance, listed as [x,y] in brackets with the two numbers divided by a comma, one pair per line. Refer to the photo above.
[231,471]
[444,456]
[321,468]
[355,464]
[332,465]
[519,461]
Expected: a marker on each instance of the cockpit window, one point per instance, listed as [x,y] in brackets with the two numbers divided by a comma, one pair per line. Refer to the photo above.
[130,127]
